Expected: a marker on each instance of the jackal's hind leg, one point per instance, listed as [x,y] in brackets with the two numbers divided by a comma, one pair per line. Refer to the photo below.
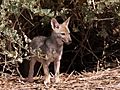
[31,70]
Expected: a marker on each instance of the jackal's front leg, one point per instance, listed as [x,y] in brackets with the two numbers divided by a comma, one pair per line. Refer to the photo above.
[57,69]
[46,72]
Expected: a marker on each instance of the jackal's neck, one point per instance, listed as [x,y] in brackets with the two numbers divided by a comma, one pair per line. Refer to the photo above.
[56,39]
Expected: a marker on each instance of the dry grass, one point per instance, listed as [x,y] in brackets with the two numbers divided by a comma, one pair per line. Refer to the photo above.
[101,80]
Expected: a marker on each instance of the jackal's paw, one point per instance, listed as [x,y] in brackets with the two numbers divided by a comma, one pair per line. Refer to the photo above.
[47,79]
[47,82]
[29,80]
[57,79]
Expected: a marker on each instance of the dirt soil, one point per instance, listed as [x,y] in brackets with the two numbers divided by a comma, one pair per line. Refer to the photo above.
[102,80]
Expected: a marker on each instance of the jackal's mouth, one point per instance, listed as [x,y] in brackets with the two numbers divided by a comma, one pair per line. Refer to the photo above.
[67,42]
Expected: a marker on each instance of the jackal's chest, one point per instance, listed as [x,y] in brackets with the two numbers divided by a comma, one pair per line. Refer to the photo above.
[53,54]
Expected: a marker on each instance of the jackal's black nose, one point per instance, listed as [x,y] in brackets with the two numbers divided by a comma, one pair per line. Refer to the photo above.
[69,42]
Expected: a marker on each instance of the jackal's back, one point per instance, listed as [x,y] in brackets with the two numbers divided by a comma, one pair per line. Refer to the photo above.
[37,42]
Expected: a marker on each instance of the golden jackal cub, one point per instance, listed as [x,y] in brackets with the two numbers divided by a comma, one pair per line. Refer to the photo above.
[51,47]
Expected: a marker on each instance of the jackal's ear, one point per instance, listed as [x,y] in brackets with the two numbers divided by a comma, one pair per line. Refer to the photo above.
[54,23]
[67,21]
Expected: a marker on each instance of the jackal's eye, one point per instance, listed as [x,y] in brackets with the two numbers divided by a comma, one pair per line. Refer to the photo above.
[62,33]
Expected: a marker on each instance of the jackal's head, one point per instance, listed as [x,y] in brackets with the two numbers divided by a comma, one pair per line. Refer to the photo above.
[62,30]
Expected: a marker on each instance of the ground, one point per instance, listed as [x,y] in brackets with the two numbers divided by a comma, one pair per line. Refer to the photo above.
[102,80]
